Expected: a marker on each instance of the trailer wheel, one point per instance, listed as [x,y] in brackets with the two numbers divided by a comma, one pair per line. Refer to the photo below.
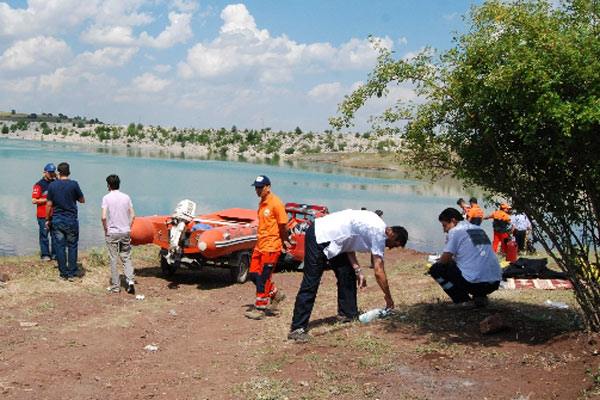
[168,269]
[239,272]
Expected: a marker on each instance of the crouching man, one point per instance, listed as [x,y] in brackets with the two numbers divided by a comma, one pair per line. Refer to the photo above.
[468,269]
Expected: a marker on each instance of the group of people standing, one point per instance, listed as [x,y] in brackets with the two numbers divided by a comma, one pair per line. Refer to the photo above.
[505,223]
[56,197]
[468,269]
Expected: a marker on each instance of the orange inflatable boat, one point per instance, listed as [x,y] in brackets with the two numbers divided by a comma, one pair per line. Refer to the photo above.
[225,238]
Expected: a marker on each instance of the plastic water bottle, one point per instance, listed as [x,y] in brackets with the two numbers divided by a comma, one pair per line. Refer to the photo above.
[370,315]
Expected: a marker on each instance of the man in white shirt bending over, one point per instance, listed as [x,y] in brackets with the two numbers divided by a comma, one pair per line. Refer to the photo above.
[468,266]
[332,241]
[117,220]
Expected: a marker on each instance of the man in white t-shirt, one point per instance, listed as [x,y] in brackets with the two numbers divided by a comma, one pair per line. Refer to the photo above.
[332,241]
[117,219]
[468,266]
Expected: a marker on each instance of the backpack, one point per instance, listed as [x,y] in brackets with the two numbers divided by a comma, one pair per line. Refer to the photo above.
[531,268]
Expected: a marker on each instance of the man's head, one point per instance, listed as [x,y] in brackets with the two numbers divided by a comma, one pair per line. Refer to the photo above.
[396,236]
[473,200]
[449,218]
[63,169]
[506,208]
[262,186]
[113,182]
[49,172]
[461,203]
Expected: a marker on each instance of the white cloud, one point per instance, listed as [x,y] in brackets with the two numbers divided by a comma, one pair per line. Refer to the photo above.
[177,31]
[244,48]
[44,17]
[325,92]
[149,83]
[403,41]
[185,5]
[107,57]
[21,85]
[162,68]
[39,53]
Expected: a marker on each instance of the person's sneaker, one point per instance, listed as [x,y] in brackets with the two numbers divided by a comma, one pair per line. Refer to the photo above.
[46,259]
[255,313]
[344,320]
[131,288]
[277,299]
[481,301]
[299,335]
[113,289]
[462,305]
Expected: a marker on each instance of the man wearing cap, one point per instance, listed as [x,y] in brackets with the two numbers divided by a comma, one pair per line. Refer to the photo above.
[38,197]
[502,227]
[61,217]
[272,236]
[332,242]
[475,214]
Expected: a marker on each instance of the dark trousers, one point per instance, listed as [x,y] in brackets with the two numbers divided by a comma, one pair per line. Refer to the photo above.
[315,263]
[520,239]
[456,286]
[66,238]
[46,247]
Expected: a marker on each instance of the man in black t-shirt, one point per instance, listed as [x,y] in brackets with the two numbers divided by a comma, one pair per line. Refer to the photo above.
[61,218]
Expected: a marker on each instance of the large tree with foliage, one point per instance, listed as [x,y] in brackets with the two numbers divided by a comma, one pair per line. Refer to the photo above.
[514,107]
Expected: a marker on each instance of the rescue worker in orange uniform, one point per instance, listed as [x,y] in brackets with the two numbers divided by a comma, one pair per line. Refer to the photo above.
[502,227]
[272,237]
[475,214]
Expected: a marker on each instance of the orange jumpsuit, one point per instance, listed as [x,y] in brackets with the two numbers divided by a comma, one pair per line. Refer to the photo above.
[271,213]
[502,229]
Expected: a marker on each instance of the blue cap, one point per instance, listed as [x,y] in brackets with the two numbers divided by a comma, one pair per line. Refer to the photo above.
[50,167]
[261,180]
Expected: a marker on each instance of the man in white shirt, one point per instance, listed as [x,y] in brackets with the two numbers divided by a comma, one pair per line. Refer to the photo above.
[468,266]
[117,220]
[521,228]
[332,241]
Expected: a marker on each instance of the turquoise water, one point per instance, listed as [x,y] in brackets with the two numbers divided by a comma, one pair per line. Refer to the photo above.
[157,184]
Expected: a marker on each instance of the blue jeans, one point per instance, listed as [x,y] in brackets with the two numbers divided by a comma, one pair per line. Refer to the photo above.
[66,236]
[46,249]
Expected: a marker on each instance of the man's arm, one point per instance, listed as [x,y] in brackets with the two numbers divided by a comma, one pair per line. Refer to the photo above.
[283,234]
[381,278]
[445,258]
[48,212]
[104,219]
[131,216]
[360,277]
[81,199]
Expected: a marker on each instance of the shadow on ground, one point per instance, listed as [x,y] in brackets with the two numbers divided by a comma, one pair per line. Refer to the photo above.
[526,323]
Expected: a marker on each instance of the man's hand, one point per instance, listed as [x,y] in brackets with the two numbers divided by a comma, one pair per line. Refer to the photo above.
[47,225]
[389,303]
[361,281]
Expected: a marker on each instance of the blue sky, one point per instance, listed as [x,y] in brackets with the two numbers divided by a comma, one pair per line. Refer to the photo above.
[207,64]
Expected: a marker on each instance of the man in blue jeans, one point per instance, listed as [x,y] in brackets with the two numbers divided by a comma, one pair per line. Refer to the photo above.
[61,218]
[38,197]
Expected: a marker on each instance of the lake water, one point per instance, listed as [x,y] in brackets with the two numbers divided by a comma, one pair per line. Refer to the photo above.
[156,184]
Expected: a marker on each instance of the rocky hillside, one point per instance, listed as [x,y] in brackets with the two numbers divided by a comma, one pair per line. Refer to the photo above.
[264,143]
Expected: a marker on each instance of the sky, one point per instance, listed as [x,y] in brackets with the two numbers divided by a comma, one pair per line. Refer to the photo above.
[209,64]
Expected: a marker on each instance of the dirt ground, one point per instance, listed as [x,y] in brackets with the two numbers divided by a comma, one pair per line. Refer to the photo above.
[73,340]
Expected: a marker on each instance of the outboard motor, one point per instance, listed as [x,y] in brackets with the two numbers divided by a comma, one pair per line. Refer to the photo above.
[184,213]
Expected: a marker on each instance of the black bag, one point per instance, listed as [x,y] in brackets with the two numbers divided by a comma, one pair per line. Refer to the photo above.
[531,268]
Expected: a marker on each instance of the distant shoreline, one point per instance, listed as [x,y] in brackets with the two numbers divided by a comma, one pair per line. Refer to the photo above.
[350,151]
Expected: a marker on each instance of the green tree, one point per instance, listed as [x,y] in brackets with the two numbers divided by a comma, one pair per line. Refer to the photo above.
[5,129]
[514,107]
